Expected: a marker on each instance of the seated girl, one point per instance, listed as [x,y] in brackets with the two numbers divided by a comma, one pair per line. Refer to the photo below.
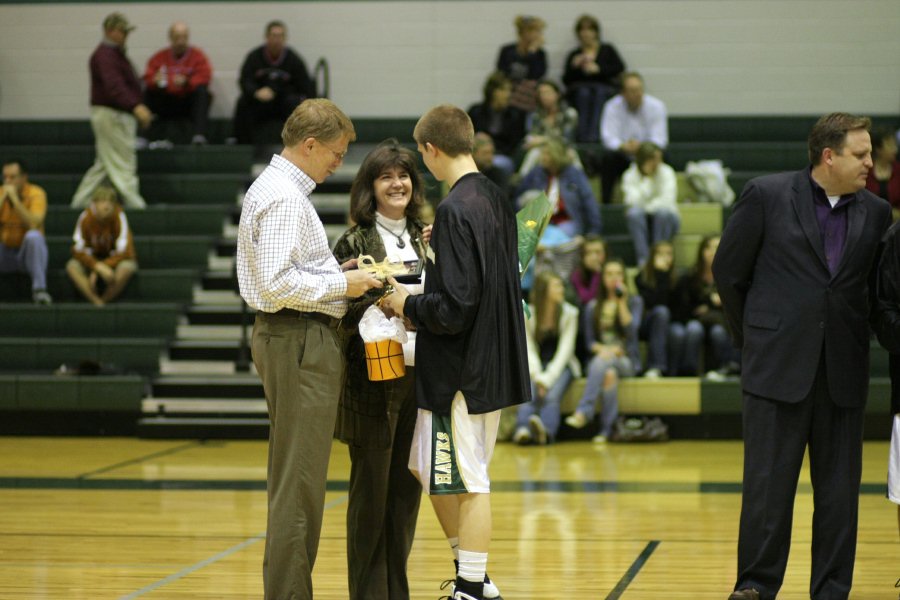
[550,333]
[609,326]
[699,308]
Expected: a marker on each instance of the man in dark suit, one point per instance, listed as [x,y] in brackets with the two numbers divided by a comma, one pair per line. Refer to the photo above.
[793,271]
[888,329]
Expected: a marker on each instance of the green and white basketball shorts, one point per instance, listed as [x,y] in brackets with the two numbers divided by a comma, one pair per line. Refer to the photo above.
[451,454]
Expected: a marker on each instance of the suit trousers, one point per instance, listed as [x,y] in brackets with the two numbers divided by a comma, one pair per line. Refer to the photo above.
[302,368]
[384,504]
[115,133]
[776,434]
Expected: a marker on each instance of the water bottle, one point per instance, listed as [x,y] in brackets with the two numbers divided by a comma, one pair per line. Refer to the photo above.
[164,77]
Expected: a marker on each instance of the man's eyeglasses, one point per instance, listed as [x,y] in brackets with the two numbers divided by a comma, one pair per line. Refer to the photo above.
[337,155]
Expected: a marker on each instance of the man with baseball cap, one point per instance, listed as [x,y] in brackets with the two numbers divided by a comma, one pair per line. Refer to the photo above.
[116,111]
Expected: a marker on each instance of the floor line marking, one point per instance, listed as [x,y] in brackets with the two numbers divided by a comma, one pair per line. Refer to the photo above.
[500,487]
[212,559]
[140,459]
[632,571]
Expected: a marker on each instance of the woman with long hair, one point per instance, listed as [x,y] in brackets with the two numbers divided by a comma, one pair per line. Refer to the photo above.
[550,334]
[699,308]
[586,276]
[655,283]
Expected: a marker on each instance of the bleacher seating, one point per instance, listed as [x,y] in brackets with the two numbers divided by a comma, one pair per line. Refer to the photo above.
[192,192]
[76,159]
[83,320]
[212,188]
[147,285]
[694,396]
[37,393]
[156,219]
[153,251]
[27,355]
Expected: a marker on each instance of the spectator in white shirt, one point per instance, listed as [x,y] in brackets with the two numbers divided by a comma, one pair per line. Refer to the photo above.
[651,195]
[629,119]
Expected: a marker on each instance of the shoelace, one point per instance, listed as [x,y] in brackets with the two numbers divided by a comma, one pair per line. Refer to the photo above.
[448,583]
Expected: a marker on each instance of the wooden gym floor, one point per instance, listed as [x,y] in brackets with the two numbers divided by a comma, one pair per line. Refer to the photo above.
[124,518]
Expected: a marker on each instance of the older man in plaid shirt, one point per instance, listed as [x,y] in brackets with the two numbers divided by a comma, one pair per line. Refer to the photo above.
[287,273]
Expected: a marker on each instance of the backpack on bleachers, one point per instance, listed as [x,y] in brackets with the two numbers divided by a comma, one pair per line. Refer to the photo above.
[709,178]
[640,429]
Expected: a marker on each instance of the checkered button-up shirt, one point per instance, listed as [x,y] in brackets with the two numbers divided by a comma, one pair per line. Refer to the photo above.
[283,258]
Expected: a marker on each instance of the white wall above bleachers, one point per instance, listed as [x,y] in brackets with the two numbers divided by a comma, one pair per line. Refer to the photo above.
[396,59]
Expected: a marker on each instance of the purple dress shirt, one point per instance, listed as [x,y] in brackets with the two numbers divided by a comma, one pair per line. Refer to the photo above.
[832,224]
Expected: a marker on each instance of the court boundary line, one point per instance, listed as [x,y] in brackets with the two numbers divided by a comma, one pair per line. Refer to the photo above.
[633,570]
[211,560]
[500,487]
[140,459]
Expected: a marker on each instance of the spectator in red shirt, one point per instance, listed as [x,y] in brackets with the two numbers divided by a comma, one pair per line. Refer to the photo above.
[177,84]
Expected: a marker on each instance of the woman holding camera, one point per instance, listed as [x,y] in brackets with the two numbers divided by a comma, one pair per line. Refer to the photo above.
[609,324]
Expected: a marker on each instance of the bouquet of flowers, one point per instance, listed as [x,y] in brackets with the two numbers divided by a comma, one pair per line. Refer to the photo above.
[531,220]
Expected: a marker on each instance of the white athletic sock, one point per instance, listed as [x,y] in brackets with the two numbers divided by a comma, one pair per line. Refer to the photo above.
[454,545]
[472,565]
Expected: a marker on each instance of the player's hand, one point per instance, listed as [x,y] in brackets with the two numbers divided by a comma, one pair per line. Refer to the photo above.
[394,301]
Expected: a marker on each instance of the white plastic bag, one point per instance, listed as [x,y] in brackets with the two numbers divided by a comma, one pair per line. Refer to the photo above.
[374,326]
[709,178]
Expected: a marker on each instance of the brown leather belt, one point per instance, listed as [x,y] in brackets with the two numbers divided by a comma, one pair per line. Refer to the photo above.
[322,318]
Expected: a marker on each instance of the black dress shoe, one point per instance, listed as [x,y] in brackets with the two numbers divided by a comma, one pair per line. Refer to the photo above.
[747,594]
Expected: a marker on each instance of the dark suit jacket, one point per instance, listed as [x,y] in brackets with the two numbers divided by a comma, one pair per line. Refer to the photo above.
[888,308]
[780,300]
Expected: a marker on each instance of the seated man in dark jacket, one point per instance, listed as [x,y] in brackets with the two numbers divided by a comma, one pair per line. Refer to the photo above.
[274,80]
